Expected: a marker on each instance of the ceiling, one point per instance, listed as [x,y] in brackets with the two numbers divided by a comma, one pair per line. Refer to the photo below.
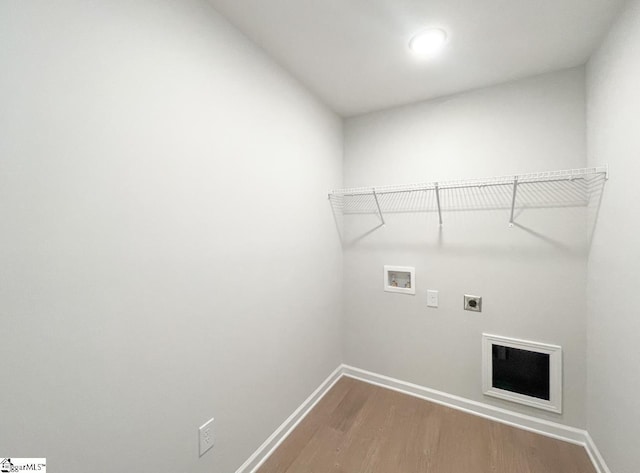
[354,54]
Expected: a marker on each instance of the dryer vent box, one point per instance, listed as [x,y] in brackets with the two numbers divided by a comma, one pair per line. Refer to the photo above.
[400,279]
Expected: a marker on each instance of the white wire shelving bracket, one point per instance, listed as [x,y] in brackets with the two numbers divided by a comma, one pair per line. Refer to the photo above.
[563,188]
[375,197]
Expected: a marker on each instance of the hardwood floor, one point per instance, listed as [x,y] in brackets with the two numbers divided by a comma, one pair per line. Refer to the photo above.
[361,428]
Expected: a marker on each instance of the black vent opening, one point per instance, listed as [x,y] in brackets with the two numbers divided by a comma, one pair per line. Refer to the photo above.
[521,371]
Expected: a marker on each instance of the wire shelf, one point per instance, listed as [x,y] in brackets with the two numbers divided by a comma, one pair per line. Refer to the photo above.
[563,188]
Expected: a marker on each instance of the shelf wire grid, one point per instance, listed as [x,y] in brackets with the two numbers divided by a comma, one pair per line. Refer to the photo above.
[565,188]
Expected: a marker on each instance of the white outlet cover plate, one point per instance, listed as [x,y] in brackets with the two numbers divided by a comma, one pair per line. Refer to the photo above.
[432,298]
[206,436]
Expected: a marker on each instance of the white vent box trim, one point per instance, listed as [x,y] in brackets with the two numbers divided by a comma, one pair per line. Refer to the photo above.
[502,344]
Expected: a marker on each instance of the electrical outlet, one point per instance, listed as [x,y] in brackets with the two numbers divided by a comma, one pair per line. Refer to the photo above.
[473,303]
[206,436]
[432,298]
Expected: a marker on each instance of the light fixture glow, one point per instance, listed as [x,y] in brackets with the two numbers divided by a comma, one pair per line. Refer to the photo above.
[428,43]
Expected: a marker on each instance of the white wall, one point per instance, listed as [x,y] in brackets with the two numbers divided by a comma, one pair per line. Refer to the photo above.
[166,252]
[532,277]
[613,404]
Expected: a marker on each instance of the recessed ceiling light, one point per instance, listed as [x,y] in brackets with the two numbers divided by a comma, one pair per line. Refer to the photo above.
[428,43]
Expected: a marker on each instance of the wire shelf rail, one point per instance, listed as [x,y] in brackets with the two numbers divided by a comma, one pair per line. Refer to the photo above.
[563,188]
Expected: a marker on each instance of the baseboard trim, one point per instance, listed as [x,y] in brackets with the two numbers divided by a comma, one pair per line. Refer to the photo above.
[515,419]
[282,432]
[596,457]
[504,416]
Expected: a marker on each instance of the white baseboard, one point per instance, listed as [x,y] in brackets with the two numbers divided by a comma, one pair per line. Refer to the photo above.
[504,416]
[515,419]
[596,457]
[276,438]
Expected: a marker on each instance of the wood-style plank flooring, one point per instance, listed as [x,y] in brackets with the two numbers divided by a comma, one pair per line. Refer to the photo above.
[361,428]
